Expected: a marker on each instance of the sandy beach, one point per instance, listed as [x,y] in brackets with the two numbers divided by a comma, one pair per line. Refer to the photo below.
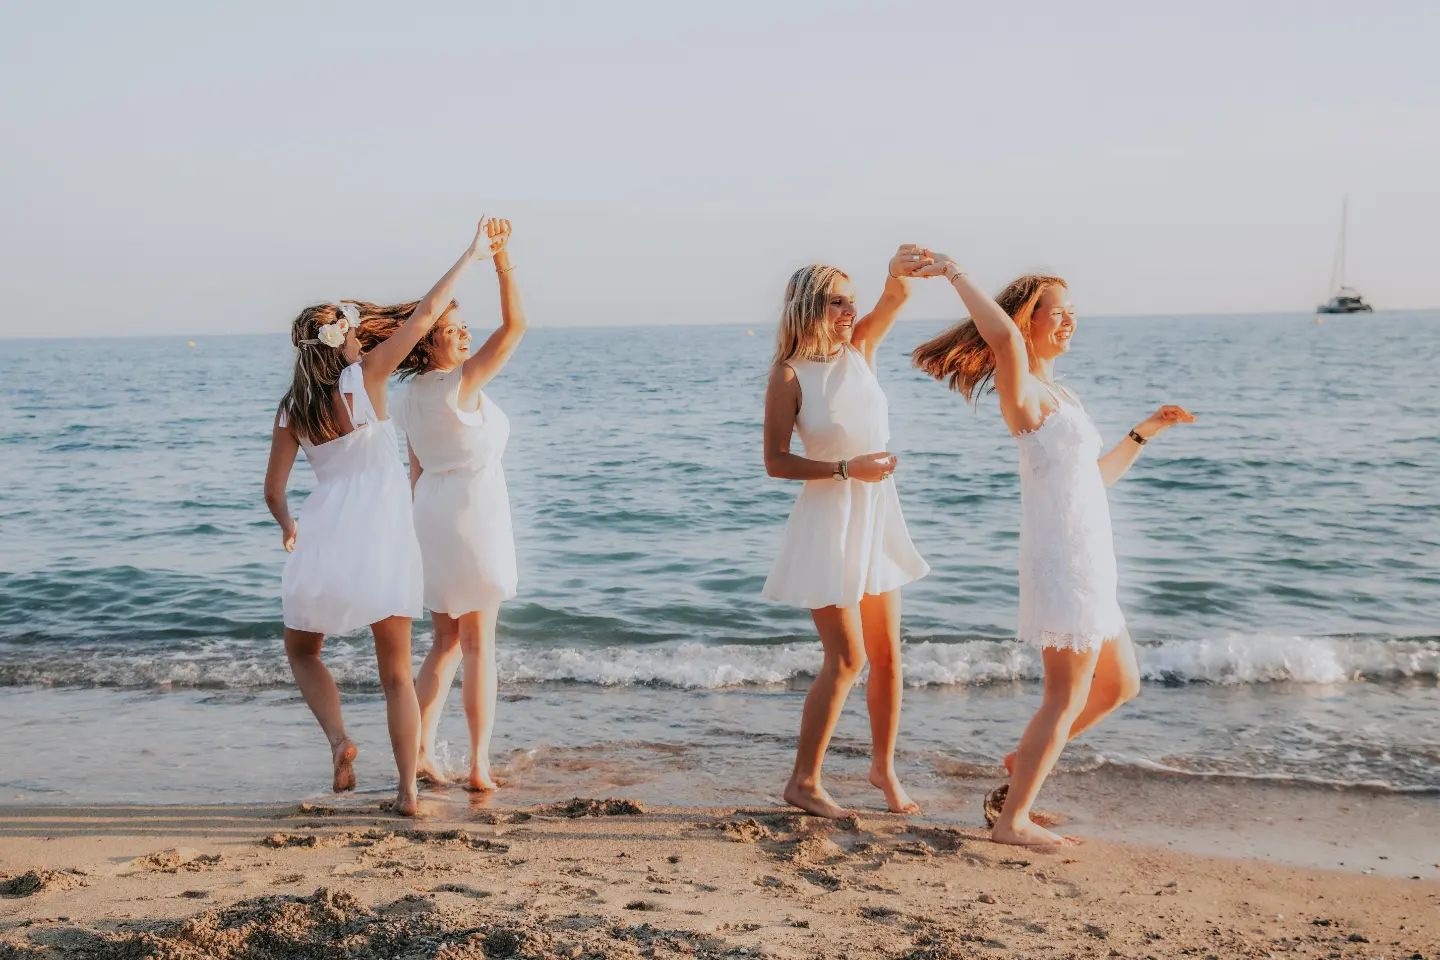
[619,878]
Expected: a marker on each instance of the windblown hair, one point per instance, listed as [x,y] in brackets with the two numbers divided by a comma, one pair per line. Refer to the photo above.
[961,356]
[422,356]
[309,405]
[802,331]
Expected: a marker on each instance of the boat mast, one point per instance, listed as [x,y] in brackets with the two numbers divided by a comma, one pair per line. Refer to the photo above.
[1337,269]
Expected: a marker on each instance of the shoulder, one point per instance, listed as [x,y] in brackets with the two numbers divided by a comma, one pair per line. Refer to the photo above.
[783,372]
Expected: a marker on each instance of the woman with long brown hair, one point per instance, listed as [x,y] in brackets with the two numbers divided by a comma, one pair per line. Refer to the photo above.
[845,552]
[1068,604]
[456,436]
[356,563]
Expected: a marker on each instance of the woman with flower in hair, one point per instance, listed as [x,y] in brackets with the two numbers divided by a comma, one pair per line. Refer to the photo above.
[845,552]
[456,436]
[1068,605]
[355,563]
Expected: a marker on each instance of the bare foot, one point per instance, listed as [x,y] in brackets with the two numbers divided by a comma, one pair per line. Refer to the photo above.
[343,755]
[814,799]
[407,803]
[480,781]
[1010,764]
[896,799]
[426,771]
[1028,833]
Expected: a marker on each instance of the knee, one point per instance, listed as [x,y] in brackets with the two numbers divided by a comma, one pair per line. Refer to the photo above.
[1116,691]
[847,665]
[394,679]
[884,663]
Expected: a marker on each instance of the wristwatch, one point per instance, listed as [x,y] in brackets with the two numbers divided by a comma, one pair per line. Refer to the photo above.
[842,471]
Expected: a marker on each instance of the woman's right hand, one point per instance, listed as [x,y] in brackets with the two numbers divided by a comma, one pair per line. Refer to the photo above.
[491,235]
[939,266]
[288,532]
[871,467]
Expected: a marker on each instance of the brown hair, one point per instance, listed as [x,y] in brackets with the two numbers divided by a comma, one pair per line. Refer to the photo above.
[801,333]
[309,405]
[962,356]
[422,355]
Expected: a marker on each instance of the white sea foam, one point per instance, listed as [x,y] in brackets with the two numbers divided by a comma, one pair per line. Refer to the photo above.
[1232,659]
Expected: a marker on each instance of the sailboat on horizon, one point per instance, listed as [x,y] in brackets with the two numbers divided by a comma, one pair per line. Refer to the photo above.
[1344,299]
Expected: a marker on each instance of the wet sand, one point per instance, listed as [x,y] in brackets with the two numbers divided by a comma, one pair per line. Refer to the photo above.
[616,878]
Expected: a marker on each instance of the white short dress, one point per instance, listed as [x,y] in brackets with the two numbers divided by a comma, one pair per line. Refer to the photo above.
[462,506]
[356,560]
[1067,553]
[845,538]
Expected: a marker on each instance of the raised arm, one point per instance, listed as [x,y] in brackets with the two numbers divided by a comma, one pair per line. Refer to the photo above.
[283,449]
[1115,463]
[875,325]
[497,348]
[782,406]
[380,362]
[1023,400]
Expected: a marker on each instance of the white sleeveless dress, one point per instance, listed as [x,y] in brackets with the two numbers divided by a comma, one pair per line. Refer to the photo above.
[462,506]
[845,538]
[356,561]
[1067,553]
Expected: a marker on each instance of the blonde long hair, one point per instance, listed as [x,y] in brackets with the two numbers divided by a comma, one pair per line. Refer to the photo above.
[801,333]
[309,405]
[961,356]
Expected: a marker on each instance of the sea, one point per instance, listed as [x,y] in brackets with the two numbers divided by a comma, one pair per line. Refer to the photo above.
[1279,567]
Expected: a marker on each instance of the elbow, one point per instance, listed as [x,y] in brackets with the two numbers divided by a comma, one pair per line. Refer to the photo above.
[274,499]
[772,467]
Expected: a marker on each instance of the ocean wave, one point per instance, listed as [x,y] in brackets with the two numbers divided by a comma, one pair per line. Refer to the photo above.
[250,663]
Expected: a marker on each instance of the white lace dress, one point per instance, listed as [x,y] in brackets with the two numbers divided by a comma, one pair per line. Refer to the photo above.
[1067,553]
[845,538]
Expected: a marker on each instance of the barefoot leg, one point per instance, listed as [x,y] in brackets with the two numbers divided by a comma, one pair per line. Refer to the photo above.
[880,622]
[317,686]
[402,709]
[477,645]
[1067,685]
[840,636]
[432,684]
[1116,682]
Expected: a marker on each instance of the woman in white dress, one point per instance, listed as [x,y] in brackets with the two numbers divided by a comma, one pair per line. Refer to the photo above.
[357,562]
[1068,605]
[845,552]
[456,437]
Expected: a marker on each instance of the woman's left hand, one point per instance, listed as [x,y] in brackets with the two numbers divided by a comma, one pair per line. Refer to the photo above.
[497,234]
[1163,419]
[907,260]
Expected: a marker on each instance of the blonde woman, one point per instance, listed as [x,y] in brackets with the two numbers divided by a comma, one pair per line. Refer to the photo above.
[456,436]
[1068,605]
[845,552]
[356,563]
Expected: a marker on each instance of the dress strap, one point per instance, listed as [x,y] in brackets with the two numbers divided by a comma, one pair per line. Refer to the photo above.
[352,384]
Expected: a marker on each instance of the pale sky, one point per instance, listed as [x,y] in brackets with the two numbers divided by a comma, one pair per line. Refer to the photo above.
[206,168]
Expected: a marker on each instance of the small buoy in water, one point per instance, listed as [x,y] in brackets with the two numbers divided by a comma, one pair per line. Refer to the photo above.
[190,344]
[749,333]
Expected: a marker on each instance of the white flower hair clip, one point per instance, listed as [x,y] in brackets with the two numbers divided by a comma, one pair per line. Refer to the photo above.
[333,334]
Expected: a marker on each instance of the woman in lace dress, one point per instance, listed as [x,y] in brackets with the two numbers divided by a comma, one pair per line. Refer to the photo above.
[1068,605]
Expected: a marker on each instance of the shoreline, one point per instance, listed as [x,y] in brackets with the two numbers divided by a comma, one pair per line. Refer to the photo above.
[621,879]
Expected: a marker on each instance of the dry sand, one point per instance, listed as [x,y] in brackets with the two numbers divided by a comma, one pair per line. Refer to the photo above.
[612,879]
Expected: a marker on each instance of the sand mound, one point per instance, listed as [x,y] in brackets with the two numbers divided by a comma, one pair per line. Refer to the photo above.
[586,807]
[39,881]
[175,860]
[748,830]
[334,924]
